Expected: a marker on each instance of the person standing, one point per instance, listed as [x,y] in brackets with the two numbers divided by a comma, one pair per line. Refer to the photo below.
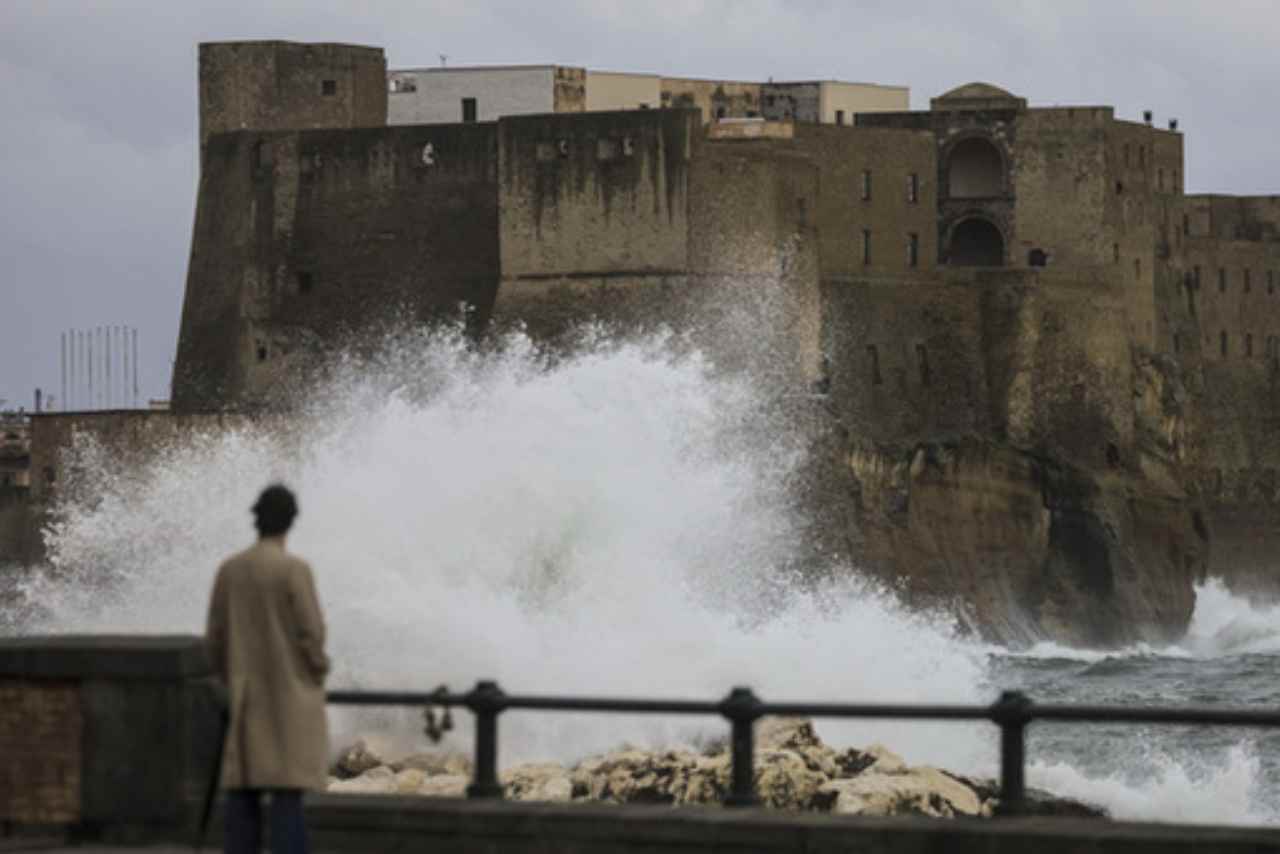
[265,637]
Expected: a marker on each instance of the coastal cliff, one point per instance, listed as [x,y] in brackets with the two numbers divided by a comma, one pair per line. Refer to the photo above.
[1033,475]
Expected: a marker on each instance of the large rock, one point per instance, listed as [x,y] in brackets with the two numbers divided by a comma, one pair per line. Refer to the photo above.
[354,760]
[378,780]
[793,770]
[540,782]
[910,791]
[434,764]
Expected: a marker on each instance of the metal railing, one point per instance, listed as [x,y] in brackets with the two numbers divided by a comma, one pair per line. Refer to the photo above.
[1012,712]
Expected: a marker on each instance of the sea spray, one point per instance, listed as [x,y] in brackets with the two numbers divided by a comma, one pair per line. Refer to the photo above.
[620,521]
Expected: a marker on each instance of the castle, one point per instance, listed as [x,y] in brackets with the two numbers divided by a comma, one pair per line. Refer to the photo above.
[1051,373]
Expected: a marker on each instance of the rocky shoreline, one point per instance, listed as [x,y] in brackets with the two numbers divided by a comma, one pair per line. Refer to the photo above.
[795,770]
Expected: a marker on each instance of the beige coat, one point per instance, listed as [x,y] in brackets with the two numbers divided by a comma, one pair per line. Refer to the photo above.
[265,638]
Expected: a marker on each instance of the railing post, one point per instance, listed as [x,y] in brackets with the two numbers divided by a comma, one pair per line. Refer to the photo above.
[1012,712]
[741,707]
[486,701]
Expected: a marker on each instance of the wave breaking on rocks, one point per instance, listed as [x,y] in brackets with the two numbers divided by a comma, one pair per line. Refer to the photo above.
[794,770]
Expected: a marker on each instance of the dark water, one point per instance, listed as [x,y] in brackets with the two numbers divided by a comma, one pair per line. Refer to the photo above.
[1230,659]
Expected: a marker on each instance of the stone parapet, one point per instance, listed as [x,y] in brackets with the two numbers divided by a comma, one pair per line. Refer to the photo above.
[104,736]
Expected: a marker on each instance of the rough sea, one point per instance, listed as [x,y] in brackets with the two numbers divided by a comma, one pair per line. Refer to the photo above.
[620,523]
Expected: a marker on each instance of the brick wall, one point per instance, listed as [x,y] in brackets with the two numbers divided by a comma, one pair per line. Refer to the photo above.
[40,742]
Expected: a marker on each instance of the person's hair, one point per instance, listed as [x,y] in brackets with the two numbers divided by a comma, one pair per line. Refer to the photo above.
[274,511]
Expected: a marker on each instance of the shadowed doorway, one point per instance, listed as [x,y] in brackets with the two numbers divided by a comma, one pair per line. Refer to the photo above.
[976,243]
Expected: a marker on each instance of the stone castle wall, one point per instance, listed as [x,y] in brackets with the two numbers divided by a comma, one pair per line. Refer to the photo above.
[277,85]
[312,237]
[1072,383]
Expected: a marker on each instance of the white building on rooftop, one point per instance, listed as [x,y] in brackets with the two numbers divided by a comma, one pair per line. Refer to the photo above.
[485,93]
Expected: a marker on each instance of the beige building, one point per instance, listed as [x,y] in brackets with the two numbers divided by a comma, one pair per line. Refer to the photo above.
[489,92]
[620,90]
[830,102]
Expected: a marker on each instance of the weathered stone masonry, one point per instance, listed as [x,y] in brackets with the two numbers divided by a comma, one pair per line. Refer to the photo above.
[1022,324]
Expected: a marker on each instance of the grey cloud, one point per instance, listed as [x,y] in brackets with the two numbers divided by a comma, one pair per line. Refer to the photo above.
[98,162]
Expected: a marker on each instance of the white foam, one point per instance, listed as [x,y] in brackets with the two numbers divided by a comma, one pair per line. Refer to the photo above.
[1168,789]
[1227,624]
[620,523]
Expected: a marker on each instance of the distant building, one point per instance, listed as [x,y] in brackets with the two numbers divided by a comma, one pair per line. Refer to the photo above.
[1028,290]
[15,451]
[487,93]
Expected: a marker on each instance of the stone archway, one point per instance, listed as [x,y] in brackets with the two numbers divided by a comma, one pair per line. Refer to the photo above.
[975,170]
[976,242]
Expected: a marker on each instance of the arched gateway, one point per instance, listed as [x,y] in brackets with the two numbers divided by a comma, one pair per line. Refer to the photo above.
[976,242]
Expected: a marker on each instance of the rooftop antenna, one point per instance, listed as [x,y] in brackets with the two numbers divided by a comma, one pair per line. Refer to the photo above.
[444,60]
[135,367]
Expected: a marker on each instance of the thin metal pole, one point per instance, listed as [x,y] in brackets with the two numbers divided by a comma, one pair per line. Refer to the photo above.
[135,367]
[1012,712]
[486,701]
[741,707]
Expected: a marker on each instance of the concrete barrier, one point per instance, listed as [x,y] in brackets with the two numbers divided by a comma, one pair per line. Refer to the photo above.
[113,739]
[105,735]
[443,826]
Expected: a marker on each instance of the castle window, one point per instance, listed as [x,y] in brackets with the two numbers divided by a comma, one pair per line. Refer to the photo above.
[1222,342]
[1115,252]
[719,112]
[1271,282]
[1222,280]
[1119,188]
[1248,344]
[839,117]
[976,170]
[1126,154]
[1175,181]
[913,250]
[873,356]
[328,87]
[922,360]
[1142,156]
[1197,276]
[468,109]
[305,282]
[1177,343]
[1137,268]
[913,188]
[1037,258]
[1248,280]
[1160,179]
[262,352]
[866,246]
[866,185]
[1186,225]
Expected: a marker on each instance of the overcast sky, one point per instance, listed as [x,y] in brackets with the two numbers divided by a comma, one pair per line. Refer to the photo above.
[98,151]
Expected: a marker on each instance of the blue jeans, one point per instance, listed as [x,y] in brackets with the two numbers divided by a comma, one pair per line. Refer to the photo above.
[243,834]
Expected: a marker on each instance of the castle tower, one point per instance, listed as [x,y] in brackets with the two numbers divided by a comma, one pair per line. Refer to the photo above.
[278,85]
